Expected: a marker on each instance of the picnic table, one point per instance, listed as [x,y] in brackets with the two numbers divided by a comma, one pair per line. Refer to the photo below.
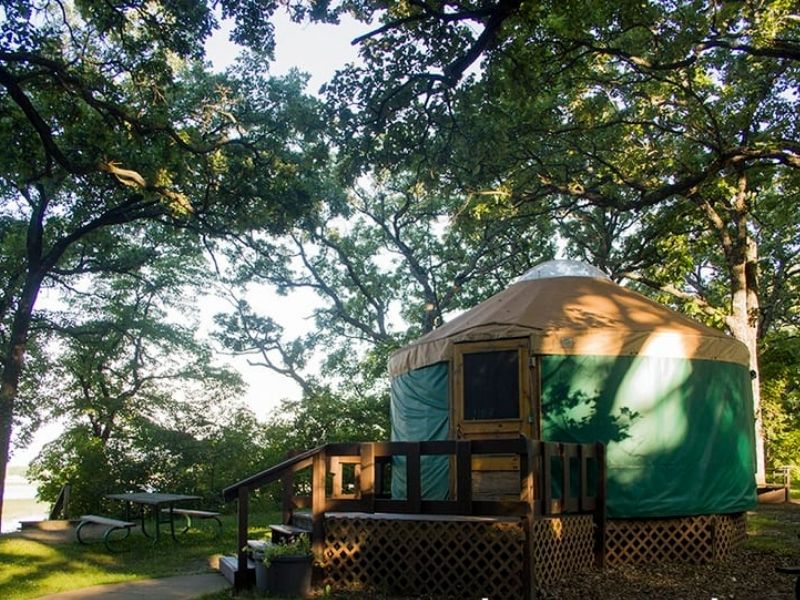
[162,505]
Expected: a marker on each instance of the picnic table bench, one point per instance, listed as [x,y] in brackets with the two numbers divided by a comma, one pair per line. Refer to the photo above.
[156,501]
[111,525]
[190,513]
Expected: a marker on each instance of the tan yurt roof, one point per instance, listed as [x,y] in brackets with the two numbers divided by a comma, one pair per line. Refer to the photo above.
[574,315]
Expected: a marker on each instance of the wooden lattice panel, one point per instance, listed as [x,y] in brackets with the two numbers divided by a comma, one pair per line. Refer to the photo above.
[699,539]
[730,534]
[561,547]
[438,558]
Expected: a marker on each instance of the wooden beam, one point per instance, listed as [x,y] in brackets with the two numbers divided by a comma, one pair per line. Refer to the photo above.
[528,583]
[240,578]
[464,476]
[336,471]
[318,499]
[413,479]
[287,496]
[586,454]
[569,502]
[547,479]
[600,508]
[366,477]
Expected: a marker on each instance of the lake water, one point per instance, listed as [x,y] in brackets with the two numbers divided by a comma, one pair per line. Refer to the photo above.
[20,503]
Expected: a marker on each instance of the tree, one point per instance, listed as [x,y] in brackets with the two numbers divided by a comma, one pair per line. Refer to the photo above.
[110,125]
[388,265]
[135,389]
[666,110]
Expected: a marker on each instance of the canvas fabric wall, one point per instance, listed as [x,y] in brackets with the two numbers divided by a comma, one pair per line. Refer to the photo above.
[678,432]
[420,410]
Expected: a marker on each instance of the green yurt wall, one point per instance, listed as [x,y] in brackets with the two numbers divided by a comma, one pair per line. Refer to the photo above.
[420,411]
[678,433]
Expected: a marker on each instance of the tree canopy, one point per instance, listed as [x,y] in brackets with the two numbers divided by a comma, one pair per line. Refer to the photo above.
[114,131]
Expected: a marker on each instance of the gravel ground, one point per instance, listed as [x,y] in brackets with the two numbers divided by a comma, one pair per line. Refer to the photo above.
[748,575]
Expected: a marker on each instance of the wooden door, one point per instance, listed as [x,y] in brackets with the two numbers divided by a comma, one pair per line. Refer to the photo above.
[492,389]
[492,398]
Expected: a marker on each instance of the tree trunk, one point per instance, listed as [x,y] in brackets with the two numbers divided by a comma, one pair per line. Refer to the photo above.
[12,370]
[743,323]
[741,256]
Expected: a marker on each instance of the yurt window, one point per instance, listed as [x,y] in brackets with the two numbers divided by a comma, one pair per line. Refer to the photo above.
[492,388]
[491,385]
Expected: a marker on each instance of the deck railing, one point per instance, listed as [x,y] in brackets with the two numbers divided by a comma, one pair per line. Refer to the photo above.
[555,479]
[60,508]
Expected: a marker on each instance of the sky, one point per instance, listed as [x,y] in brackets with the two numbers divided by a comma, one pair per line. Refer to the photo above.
[316,49]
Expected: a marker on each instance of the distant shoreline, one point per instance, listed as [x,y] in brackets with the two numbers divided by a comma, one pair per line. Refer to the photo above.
[20,502]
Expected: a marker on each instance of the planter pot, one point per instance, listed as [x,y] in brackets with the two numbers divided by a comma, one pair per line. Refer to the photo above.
[261,577]
[288,576]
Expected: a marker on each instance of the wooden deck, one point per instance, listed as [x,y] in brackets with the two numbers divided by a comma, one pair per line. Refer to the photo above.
[351,507]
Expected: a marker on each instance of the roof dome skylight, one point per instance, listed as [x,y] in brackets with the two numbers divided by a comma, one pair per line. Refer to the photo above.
[562,268]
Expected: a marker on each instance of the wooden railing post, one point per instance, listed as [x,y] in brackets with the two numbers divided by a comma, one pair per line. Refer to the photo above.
[413,478]
[572,499]
[529,465]
[600,507]
[338,473]
[464,476]
[563,452]
[240,578]
[366,477]
[287,496]
[547,479]
[318,500]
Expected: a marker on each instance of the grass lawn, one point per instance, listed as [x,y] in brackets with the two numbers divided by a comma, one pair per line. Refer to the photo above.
[31,568]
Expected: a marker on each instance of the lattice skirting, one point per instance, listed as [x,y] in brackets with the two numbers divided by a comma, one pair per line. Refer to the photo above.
[440,558]
[699,539]
[561,547]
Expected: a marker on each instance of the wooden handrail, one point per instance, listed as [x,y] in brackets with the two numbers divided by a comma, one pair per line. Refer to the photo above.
[269,475]
[61,505]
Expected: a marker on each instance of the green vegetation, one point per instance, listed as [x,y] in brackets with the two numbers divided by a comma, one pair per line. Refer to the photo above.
[301,546]
[769,532]
[36,568]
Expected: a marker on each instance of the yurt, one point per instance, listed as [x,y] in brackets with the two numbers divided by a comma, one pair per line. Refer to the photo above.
[564,354]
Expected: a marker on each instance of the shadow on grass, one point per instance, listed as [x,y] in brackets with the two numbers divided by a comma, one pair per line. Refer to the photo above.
[36,567]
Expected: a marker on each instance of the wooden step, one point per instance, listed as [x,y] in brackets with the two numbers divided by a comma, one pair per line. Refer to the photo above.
[302,519]
[229,567]
[286,533]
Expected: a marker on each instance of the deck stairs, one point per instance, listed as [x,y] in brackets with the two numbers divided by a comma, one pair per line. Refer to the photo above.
[279,533]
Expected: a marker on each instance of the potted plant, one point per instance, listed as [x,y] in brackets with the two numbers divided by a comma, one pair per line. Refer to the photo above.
[284,569]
